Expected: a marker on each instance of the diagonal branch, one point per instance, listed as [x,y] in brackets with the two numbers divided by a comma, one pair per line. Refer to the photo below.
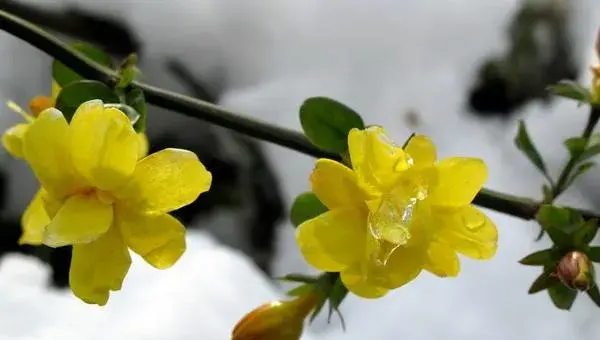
[520,207]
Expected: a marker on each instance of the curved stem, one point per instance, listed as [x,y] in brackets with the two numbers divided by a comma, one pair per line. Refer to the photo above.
[513,205]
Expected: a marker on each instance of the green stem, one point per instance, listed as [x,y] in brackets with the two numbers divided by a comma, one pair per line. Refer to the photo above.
[568,169]
[513,205]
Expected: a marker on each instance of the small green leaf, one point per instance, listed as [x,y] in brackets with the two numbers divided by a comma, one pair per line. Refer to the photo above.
[572,90]
[305,207]
[327,123]
[562,296]
[594,254]
[559,223]
[594,294]
[136,99]
[581,169]
[538,258]
[301,290]
[79,92]
[524,143]
[336,296]
[297,278]
[64,75]
[575,145]
[592,149]
[586,233]
[543,281]
[322,299]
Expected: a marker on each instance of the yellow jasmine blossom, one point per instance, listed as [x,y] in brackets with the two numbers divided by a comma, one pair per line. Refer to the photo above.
[277,320]
[97,196]
[396,213]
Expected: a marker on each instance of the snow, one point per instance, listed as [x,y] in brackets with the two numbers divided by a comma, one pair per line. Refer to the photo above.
[382,59]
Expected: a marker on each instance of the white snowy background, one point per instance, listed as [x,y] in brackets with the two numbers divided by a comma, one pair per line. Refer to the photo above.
[381,57]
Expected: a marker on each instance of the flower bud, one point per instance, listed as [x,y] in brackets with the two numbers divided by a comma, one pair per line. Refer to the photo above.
[277,320]
[576,271]
[39,104]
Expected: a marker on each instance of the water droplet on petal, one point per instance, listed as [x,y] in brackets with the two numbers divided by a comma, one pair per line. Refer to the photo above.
[473,219]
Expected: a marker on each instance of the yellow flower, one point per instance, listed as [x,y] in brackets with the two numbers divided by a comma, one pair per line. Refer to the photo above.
[97,196]
[398,212]
[277,320]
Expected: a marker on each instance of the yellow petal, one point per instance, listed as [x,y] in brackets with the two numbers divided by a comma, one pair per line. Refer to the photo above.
[329,241]
[160,240]
[34,221]
[165,181]
[143,145]
[459,180]
[335,185]
[442,260]
[358,284]
[468,230]
[12,140]
[404,265]
[104,146]
[55,89]
[46,150]
[375,158]
[421,150]
[82,219]
[99,267]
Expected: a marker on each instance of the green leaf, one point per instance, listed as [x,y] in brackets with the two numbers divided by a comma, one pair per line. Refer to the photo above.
[592,149]
[586,233]
[327,123]
[336,296]
[136,99]
[572,90]
[594,254]
[543,281]
[594,294]
[538,258]
[301,290]
[79,92]
[559,223]
[322,299]
[562,296]
[64,75]
[305,207]
[575,145]
[524,143]
[581,169]
[297,278]
[581,149]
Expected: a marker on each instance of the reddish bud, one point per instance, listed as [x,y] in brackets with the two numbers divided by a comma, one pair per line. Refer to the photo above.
[576,271]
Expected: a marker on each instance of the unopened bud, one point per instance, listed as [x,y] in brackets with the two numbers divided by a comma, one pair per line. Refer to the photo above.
[598,43]
[39,104]
[277,320]
[576,271]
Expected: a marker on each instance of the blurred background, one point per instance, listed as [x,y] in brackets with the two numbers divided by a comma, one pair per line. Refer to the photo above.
[461,71]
